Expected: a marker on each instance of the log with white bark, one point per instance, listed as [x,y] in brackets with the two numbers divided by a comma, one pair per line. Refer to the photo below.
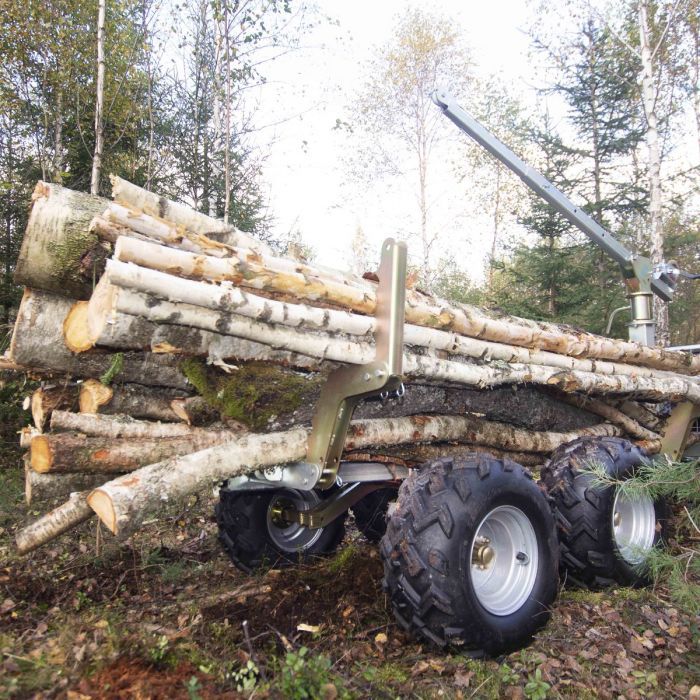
[51,487]
[420,309]
[611,414]
[59,253]
[122,503]
[181,215]
[75,452]
[55,523]
[120,426]
[641,414]
[122,331]
[456,370]
[48,398]
[37,343]
[101,319]
[419,454]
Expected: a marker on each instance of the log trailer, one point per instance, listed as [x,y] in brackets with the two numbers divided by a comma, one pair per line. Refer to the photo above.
[472,546]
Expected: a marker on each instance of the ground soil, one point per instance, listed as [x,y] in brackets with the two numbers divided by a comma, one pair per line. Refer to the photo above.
[165,615]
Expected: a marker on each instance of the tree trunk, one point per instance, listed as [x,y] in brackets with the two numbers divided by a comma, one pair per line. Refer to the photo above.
[418,454]
[99,100]
[37,343]
[53,524]
[75,452]
[420,310]
[649,95]
[59,254]
[122,426]
[122,503]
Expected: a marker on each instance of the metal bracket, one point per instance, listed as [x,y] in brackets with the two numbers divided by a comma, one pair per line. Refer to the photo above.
[347,386]
[677,429]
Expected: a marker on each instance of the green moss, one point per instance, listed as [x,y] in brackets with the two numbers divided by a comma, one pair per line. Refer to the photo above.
[254,393]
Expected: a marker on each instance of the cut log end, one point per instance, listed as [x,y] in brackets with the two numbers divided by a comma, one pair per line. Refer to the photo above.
[40,454]
[94,395]
[76,334]
[101,504]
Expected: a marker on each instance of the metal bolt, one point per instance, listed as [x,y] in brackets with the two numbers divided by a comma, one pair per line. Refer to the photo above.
[522,558]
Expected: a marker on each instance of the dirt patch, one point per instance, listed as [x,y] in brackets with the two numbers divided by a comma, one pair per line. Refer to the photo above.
[131,678]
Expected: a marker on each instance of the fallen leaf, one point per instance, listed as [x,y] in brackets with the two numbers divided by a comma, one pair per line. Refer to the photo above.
[381,639]
[694,693]
[314,629]
[419,667]
[7,605]
[463,678]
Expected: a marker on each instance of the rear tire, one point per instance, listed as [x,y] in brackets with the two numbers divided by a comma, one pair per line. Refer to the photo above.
[470,554]
[603,535]
[370,513]
[253,541]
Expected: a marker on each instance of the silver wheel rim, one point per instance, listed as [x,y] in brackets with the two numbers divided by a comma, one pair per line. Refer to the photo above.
[293,537]
[503,559]
[633,526]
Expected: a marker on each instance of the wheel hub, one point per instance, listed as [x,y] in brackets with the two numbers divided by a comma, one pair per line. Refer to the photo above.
[291,536]
[483,555]
[634,526]
[504,560]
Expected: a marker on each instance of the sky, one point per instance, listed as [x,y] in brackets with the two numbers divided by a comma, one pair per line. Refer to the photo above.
[305,174]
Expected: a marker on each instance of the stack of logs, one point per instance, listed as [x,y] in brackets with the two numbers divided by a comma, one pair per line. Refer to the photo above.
[175,352]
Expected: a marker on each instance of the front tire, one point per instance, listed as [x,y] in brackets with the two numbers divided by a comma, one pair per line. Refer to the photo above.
[252,539]
[470,554]
[604,534]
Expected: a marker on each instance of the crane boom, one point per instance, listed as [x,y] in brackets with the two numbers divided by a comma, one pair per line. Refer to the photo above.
[640,279]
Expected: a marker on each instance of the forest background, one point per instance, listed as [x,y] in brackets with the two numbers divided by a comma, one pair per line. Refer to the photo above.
[167,95]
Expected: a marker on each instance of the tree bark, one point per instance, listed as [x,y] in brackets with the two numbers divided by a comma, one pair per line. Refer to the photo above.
[418,454]
[126,193]
[420,309]
[135,400]
[37,343]
[99,100]
[53,524]
[51,487]
[59,254]
[649,101]
[122,503]
[75,452]
[121,426]
[342,349]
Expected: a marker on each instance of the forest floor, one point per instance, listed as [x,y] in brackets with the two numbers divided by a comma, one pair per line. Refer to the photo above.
[165,615]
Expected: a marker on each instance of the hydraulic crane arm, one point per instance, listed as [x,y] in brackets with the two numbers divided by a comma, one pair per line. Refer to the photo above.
[640,279]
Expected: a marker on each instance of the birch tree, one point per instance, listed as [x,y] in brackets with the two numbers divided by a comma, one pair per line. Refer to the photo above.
[99,99]
[394,113]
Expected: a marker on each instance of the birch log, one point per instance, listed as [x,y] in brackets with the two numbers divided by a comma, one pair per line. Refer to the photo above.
[181,215]
[51,487]
[101,320]
[420,309]
[135,400]
[613,415]
[37,343]
[59,254]
[75,452]
[55,523]
[122,503]
[120,426]
[344,349]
